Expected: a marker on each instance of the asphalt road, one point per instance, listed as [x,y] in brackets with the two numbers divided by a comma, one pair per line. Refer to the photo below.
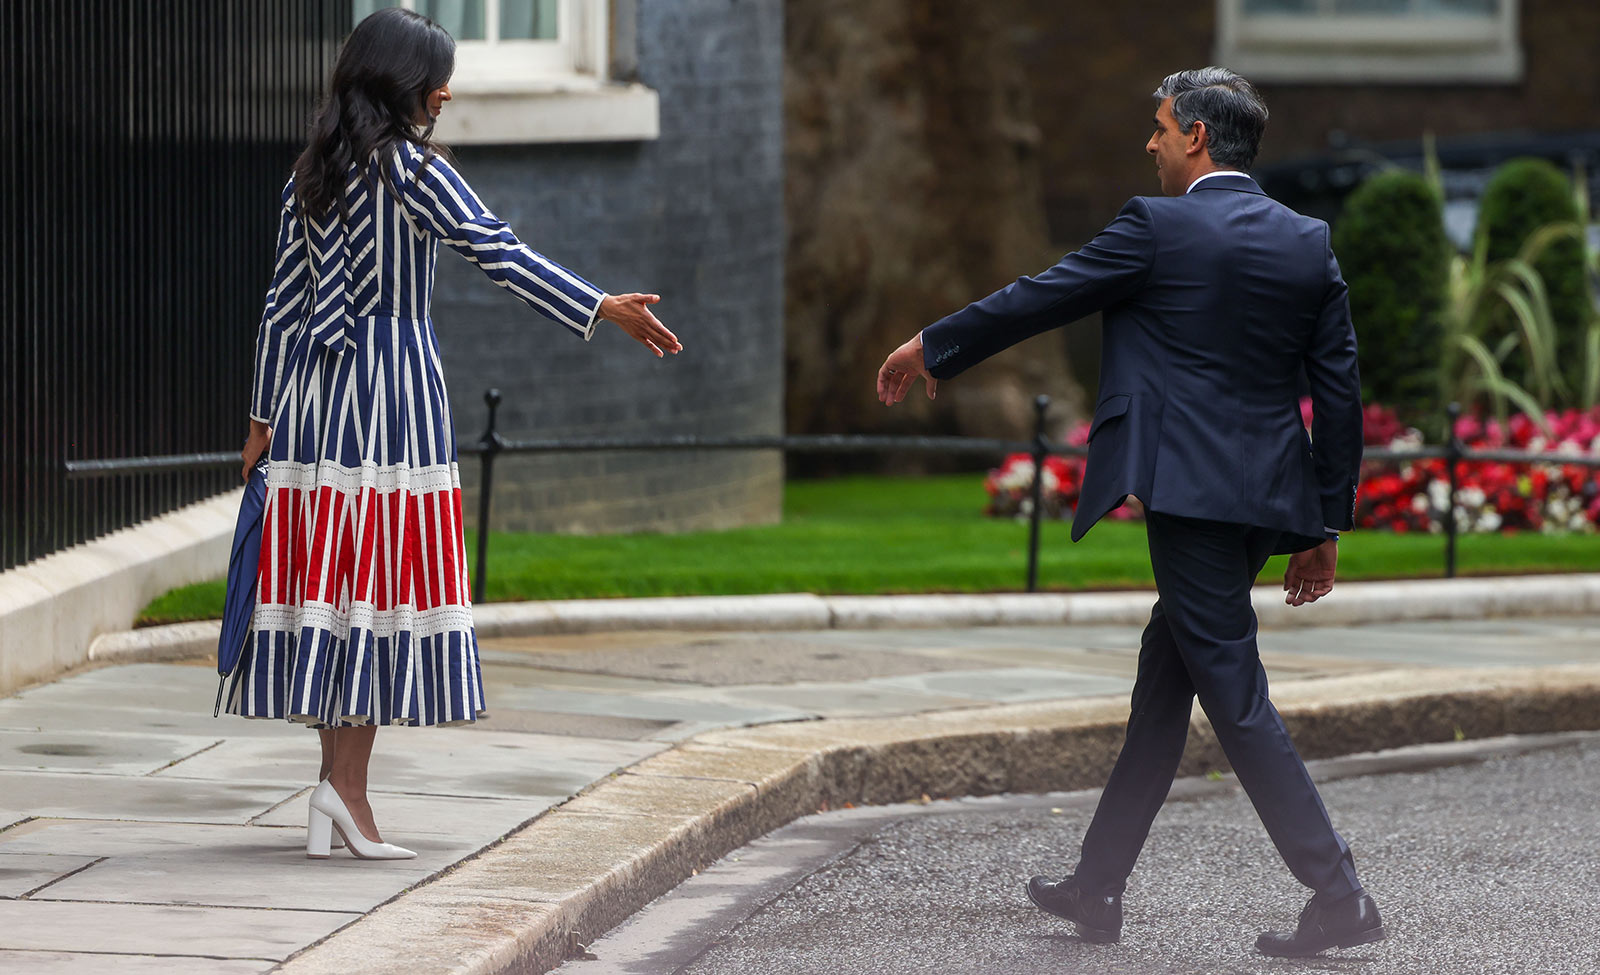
[1484,859]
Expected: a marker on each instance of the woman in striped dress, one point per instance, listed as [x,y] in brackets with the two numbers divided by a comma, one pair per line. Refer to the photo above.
[363,616]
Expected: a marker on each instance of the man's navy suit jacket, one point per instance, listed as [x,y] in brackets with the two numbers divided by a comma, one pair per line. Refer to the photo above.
[1214,303]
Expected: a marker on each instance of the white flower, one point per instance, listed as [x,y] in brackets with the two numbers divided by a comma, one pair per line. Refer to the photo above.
[1017,476]
[1409,440]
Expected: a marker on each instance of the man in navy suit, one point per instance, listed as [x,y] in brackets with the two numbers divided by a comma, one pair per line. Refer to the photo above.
[1216,301]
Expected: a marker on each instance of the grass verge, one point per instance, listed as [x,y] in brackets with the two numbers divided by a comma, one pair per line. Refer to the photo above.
[872,535]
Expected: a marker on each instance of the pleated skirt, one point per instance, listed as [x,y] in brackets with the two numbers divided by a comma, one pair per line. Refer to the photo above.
[363,609]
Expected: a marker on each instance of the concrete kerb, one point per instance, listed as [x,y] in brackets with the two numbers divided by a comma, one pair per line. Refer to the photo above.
[1354,603]
[525,904]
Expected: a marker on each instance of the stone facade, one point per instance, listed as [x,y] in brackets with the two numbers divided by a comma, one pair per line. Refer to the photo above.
[1090,68]
[913,186]
[696,216]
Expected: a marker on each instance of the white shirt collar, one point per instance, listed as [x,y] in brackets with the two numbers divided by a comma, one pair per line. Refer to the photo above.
[1218,172]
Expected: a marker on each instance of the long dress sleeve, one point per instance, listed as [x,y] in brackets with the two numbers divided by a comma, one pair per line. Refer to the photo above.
[281,319]
[442,202]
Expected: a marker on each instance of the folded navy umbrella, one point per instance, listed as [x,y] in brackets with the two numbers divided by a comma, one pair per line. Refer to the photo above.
[243,568]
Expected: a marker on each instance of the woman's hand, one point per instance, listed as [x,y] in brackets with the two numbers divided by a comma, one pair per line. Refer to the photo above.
[254,446]
[632,314]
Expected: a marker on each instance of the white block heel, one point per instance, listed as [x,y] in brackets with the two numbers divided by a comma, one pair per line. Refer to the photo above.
[325,799]
[311,826]
[319,836]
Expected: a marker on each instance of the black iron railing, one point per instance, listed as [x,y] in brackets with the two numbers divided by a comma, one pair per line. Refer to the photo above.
[146,146]
[491,445]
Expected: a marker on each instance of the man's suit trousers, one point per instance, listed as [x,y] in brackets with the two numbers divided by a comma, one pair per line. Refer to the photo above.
[1201,641]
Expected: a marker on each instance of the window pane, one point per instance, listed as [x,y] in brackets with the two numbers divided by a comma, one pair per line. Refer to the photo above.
[363,8]
[462,18]
[528,20]
[1436,8]
[1378,8]
[1280,6]
[1368,8]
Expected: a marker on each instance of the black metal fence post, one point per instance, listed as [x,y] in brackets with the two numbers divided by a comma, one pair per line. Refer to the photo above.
[490,444]
[1041,449]
[1452,458]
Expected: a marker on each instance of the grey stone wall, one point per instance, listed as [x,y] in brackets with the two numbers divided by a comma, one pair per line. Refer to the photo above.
[696,216]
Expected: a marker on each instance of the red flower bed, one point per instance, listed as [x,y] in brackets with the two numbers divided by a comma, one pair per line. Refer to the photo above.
[1492,496]
[1010,486]
[1404,497]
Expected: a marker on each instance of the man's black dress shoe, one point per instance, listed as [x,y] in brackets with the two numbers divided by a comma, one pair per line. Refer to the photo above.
[1342,924]
[1098,917]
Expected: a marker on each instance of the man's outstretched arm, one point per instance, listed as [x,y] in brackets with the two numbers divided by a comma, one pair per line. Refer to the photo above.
[1104,271]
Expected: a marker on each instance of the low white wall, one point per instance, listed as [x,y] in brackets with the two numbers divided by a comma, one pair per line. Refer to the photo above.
[52,609]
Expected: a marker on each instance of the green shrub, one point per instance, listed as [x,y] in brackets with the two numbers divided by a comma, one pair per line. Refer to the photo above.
[1521,197]
[1394,254]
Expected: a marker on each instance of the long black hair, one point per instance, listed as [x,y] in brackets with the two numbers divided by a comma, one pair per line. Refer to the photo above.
[381,81]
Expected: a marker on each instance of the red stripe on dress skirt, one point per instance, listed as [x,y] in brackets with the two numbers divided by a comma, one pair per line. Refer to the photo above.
[430,516]
[410,553]
[344,587]
[316,537]
[297,553]
[407,550]
[461,549]
[449,532]
[282,540]
[366,571]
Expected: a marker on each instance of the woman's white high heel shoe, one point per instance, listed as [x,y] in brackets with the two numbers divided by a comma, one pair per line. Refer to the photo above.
[312,825]
[319,830]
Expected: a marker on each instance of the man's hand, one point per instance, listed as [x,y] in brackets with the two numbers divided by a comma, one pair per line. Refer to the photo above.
[1310,573]
[900,370]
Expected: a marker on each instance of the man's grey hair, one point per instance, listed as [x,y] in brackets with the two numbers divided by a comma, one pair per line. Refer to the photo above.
[1232,109]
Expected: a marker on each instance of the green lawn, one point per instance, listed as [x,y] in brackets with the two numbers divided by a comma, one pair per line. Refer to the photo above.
[900,535]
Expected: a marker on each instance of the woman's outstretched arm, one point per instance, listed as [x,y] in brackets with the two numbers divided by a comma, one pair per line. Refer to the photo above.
[445,205]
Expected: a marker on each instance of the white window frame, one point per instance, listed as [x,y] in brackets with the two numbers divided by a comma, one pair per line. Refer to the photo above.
[494,64]
[532,91]
[1329,48]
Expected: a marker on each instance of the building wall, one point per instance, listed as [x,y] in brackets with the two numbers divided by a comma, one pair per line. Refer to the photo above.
[1092,66]
[695,216]
[913,188]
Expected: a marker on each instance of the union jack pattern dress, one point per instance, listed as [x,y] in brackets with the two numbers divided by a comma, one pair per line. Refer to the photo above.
[363,610]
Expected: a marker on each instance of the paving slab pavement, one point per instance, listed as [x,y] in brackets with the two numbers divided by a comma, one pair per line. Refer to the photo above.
[139,833]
